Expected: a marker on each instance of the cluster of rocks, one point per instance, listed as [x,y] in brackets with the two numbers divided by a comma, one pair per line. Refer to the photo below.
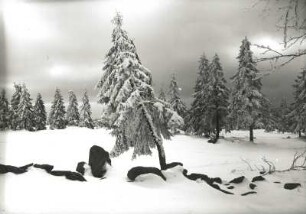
[98,159]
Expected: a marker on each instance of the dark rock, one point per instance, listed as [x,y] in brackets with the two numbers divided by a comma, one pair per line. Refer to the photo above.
[25,167]
[230,187]
[68,174]
[80,167]
[208,180]
[216,186]
[196,176]
[212,140]
[291,186]
[16,170]
[258,178]
[46,167]
[217,180]
[140,170]
[74,176]
[237,180]
[277,182]
[252,186]
[172,165]
[207,135]
[248,193]
[59,172]
[98,158]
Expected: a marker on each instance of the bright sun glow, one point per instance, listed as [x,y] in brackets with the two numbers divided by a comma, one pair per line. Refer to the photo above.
[58,71]
[268,41]
[136,7]
[23,20]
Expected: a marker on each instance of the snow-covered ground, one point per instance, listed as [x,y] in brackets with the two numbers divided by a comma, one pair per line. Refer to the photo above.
[39,192]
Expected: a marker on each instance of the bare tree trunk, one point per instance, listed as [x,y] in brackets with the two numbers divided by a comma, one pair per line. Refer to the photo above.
[217,126]
[251,133]
[300,133]
[161,156]
[157,140]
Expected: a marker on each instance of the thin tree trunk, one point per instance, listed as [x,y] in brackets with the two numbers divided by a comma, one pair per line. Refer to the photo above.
[161,156]
[159,146]
[300,133]
[217,126]
[251,133]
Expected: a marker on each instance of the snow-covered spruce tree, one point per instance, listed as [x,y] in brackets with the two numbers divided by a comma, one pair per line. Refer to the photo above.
[40,115]
[162,95]
[195,122]
[85,113]
[72,115]
[57,113]
[25,111]
[216,98]
[246,98]
[174,98]
[4,111]
[138,118]
[14,106]
[298,113]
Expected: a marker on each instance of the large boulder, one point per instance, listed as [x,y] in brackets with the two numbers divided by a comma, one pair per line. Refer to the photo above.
[98,158]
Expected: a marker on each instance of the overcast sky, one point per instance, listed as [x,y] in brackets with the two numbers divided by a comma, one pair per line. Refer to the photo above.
[48,44]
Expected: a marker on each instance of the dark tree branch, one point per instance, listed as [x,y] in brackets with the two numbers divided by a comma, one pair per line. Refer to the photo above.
[291,22]
[277,55]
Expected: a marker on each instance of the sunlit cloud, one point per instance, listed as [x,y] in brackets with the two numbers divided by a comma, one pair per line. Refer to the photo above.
[137,7]
[59,71]
[24,21]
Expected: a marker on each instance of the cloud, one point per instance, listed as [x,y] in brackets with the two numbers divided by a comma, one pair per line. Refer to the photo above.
[62,44]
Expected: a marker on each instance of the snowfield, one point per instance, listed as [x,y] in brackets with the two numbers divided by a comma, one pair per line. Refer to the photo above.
[38,192]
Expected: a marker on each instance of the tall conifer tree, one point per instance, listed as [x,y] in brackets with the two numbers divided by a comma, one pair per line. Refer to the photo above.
[25,111]
[138,118]
[72,116]
[216,98]
[40,115]
[246,97]
[85,113]
[195,122]
[14,106]
[174,98]
[57,113]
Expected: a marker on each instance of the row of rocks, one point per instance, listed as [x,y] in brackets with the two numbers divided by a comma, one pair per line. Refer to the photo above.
[98,158]
[213,182]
